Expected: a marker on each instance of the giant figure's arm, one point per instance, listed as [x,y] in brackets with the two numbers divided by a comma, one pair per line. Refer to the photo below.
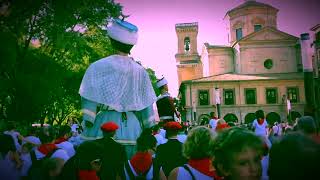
[89,110]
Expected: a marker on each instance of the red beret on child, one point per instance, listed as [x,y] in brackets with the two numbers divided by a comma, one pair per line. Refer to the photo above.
[172,125]
[109,126]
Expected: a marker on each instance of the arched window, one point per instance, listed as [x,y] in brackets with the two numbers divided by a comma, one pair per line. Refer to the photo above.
[204,119]
[273,117]
[230,117]
[186,44]
[249,118]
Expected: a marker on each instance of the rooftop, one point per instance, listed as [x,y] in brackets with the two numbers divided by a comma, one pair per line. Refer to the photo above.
[251,3]
[187,24]
[216,46]
[247,77]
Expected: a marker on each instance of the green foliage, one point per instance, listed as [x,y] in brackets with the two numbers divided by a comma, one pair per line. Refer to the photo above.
[45,49]
[41,81]
[153,79]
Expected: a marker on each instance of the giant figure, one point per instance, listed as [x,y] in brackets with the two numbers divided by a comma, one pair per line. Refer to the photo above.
[118,89]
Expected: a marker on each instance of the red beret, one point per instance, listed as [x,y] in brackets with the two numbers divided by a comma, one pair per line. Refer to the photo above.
[172,125]
[109,126]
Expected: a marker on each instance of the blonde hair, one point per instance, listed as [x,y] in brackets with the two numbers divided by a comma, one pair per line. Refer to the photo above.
[199,143]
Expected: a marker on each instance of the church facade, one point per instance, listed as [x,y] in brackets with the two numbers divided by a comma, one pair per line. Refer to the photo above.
[260,69]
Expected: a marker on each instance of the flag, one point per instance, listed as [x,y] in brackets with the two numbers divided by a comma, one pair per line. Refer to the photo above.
[288,105]
[217,95]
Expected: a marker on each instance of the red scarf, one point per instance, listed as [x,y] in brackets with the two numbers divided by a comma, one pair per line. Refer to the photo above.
[88,175]
[260,121]
[222,126]
[204,166]
[60,140]
[47,148]
[141,162]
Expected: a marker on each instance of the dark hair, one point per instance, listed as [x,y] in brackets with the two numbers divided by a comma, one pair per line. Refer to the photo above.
[33,130]
[87,152]
[212,114]
[199,143]
[63,130]
[126,48]
[162,87]
[307,125]
[49,164]
[230,142]
[156,128]
[7,144]
[296,156]
[146,141]
[47,135]
[259,114]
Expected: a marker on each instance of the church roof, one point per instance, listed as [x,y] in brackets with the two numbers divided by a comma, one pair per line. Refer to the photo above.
[282,35]
[314,28]
[250,3]
[208,46]
[247,77]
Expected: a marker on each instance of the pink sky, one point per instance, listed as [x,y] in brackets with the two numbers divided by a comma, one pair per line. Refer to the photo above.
[156,21]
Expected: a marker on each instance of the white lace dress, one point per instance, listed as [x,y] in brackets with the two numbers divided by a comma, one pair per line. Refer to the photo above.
[117,89]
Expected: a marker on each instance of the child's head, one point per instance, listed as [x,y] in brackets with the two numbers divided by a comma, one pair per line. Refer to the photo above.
[237,153]
[89,155]
[52,167]
[146,141]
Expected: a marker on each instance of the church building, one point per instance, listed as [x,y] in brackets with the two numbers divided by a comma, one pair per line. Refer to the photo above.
[260,69]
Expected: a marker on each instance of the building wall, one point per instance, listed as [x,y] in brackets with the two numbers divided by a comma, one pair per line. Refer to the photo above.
[220,61]
[252,57]
[189,71]
[241,109]
[247,18]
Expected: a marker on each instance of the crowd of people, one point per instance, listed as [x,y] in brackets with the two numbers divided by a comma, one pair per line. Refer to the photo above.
[167,150]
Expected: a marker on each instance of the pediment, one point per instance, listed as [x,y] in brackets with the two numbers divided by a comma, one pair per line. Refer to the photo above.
[268,34]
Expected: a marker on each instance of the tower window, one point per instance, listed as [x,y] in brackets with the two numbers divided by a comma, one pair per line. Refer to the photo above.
[239,33]
[257,27]
[186,44]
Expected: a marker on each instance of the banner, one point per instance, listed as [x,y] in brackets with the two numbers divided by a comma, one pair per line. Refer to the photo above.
[217,95]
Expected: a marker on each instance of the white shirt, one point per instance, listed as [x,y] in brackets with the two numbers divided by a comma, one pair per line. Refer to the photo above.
[213,124]
[182,138]
[260,130]
[33,139]
[15,136]
[160,139]
[162,133]
[68,147]
[149,175]
[277,130]
[185,175]
[60,153]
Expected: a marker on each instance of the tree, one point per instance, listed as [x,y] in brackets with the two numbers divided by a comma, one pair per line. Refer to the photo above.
[48,46]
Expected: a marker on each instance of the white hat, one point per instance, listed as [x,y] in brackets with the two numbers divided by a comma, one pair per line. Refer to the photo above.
[162,82]
[123,32]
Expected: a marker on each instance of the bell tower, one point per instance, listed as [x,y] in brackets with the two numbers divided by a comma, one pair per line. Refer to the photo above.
[189,65]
